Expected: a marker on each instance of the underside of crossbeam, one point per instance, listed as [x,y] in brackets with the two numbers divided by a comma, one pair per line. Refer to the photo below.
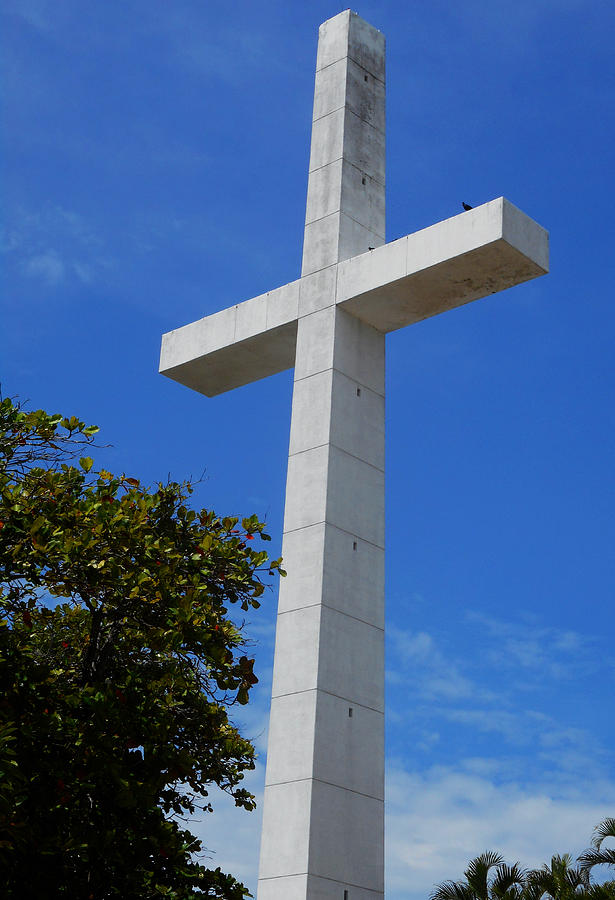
[237,346]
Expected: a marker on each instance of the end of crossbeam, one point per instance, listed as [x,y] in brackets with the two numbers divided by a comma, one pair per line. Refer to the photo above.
[527,236]
[477,253]
[236,346]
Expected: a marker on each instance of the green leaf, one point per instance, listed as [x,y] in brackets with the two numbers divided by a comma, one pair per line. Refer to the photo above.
[138,649]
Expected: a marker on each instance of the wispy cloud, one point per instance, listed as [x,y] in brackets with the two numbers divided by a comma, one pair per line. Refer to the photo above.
[534,742]
[221,47]
[442,690]
[54,246]
[529,646]
[35,13]
[48,267]
[435,673]
[224,49]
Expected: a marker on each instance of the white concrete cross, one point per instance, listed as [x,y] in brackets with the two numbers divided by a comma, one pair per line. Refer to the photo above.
[323,820]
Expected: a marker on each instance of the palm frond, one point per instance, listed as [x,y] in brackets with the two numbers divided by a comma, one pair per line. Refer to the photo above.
[604,891]
[452,890]
[540,882]
[576,878]
[477,873]
[559,879]
[605,829]
[533,889]
[590,858]
[506,879]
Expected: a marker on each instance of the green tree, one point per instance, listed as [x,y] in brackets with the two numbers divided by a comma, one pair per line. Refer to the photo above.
[487,877]
[118,665]
[559,880]
[597,854]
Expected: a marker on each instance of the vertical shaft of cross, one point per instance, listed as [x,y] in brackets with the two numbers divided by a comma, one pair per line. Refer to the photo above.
[345,201]
[323,819]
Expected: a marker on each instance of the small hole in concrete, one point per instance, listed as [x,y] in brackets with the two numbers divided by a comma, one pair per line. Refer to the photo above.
[350,712]
[358,392]
[345,895]
[365,77]
[354,545]
[363,181]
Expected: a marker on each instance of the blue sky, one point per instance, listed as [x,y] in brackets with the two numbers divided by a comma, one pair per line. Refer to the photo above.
[155,171]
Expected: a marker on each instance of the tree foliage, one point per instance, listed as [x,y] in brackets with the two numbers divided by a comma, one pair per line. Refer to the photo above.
[488,877]
[118,664]
[599,854]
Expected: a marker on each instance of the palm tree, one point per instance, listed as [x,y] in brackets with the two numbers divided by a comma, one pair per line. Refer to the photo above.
[604,891]
[487,878]
[559,880]
[598,855]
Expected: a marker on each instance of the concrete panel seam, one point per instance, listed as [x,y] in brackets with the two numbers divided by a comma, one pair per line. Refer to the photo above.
[350,163]
[285,612]
[350,534]
[330,694]
[340,212]
[369,125]
[289,875]
[318,168]
[358,458]
[337,271]
[341,450]
[360,384]
[348,216]
[361,66]
[322,269]
[340,787]
[356,62]
[337,109]
[360,887]
[362,172]
[333,525]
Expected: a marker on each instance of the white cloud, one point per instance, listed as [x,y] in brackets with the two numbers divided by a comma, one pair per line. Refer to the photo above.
[231,835]
[54,246]
[48,267]
[223,50]
[440,819]
[434,673]
[513,726]
[555,653]
[36,14]
[83,272]
[541,789]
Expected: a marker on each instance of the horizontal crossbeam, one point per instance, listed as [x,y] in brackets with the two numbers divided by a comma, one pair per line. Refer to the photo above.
[477,253]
